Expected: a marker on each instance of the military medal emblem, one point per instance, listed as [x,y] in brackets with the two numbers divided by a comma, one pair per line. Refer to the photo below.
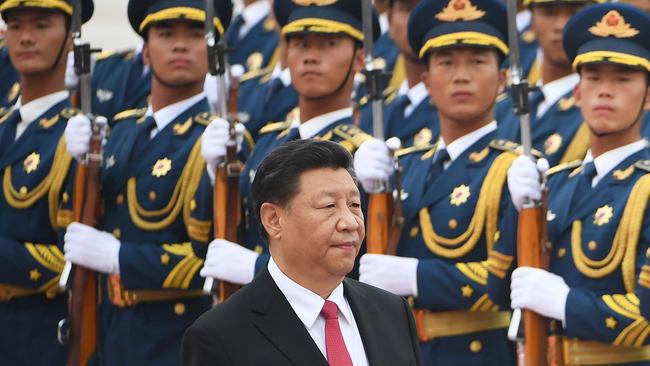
[459,195]
[161,168]
[31,162]
[104,95]
[460,10]
[423,137]
[603,215]
[552,144]
[613,24]
[314,2]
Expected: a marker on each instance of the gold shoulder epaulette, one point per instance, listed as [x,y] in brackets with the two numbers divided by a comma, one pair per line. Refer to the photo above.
[528,36]
[204,118]
[501,97]
[274,126]
[130,113]
[643,165]
[352,133]
[564,166]
[253,74]
[124,54]
[509,146]
[3,111]
[413,149]
[68,113]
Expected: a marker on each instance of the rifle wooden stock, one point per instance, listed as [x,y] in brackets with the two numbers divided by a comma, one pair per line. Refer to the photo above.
[380,207]
[82,342]
[531,253]
[227,208]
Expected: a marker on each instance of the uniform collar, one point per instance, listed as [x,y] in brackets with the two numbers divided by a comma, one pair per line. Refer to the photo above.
[310,128]
[34,109]
[523,20]
[166,115]
[383,22]
[556,89]
[305,303]
[416,94]
[283,74]
[609,160]
[458,147]
[252,14]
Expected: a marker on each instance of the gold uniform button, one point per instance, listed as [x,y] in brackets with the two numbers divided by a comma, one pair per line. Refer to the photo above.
[453,224]
[592,245]
[192,205]
[561,252]
[179,308]
[23,190]
[66,197]
[259,249]
[117,232]
[414,231]
[152,196]
[120,199]
[476,346]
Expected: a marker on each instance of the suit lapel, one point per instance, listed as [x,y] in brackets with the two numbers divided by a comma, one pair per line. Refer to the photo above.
[367,318]
[276,320]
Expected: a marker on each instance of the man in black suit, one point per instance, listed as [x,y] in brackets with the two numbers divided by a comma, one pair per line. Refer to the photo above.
[308,205]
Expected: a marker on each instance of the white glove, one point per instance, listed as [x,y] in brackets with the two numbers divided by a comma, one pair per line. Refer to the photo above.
[91,248]
[393,274]
[524,180]
[540,291]
[215,140]
[230,262]
[210,88]
[77,136]
[373,164]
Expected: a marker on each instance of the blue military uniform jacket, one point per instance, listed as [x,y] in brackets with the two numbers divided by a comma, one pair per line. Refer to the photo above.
[148,197]
[599,245]
[450,225]
[263,99]
[34,169]
[560,134]
[9,85]
[120,81]
[257,48]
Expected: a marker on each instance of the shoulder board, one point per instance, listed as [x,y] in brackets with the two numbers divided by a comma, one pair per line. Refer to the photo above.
[124,54]
[130,113]
[643,165]
[501,97]
[564,166]
[255,74]
[204,118]
[4,111]
[274,127]
[513,147]
[390,94]
[528,36]
[413,149]
[352,133]
[68,113]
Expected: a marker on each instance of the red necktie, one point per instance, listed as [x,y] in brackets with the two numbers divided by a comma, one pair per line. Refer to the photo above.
[337,353]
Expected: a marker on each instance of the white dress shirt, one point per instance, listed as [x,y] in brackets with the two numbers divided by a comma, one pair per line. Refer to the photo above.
[283,74]
[607,161]
[416,95]
[310,128]
[456,148]
[34,109]
[554,90]
[166,115]
[523,19]
[307,305]
[252,15]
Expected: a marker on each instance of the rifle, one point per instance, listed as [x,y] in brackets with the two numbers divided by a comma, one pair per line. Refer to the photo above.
[532,246]
[226,204]
[79,330]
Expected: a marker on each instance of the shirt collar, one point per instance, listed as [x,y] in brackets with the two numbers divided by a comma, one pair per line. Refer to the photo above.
[255,12]
[456,148]
[523,19]
[416,94]
[609,160]
[165,116]
[283,74]
[383,22]
[310,128]
[554,90]
[304,302]
[34,109]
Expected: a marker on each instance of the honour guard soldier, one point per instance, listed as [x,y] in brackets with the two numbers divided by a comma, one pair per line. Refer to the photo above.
[452,190]
[253,37]
[9,85]
[324,51]
[409,114]
[558,130]
[152,166]
[598,218]
[34,162]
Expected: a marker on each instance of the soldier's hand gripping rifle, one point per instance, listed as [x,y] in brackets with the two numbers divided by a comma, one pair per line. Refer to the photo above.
[385,218]
[227,209]
[79,330]
[531,231]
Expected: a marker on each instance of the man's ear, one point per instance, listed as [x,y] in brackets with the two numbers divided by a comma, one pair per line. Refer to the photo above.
[145,54]
[647,99]
[503,80]
[359,60]
[270,215]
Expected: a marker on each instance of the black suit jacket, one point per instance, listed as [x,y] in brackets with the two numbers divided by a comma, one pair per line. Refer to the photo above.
[257,326]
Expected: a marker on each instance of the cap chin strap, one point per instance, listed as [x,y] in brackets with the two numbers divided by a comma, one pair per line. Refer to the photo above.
[636,119]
